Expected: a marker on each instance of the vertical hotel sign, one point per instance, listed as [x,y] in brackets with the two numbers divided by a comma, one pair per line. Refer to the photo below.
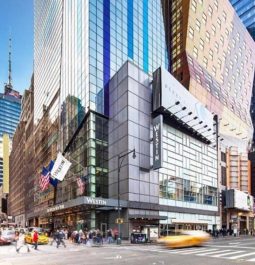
[157,141]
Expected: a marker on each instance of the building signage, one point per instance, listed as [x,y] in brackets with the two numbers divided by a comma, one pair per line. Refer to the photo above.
[157,141]
[79,201]
[167,91]
[95,201]
[55,208]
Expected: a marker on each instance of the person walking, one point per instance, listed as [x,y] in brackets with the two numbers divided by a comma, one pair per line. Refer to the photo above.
[35,239]
[61,239]
[55,237]
[20,242]
[109,236]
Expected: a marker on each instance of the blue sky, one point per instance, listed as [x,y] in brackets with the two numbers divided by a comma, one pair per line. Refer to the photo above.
[16,16]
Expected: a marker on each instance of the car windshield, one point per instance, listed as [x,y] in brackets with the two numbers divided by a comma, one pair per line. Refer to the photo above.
[38,229]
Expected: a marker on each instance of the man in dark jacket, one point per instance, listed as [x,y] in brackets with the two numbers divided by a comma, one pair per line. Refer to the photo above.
[55,237]
[61,236]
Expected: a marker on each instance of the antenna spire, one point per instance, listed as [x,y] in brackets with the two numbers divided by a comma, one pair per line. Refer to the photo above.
[10,63]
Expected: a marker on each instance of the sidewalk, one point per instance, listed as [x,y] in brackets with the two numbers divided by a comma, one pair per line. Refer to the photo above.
[123,243]
[232,237]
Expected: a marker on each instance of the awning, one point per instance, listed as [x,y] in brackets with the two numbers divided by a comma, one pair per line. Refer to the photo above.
[97,202]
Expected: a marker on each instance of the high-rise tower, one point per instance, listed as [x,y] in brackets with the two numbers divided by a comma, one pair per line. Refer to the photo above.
[78,46]
[10,102]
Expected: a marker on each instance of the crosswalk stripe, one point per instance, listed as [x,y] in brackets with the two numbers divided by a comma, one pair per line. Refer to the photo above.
[185,250]
[197,251]
[225,254]
[251,259]
[210,252]
[243,255]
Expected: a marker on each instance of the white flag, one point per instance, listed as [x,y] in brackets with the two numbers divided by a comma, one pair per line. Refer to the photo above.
[60,167]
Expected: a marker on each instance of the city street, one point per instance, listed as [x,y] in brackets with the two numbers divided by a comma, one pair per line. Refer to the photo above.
[218,251]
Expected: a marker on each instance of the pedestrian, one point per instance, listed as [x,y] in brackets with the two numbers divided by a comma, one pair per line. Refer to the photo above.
[35,239]
[66,233]
[109,236]
[55,237]
[20,242]
[61,237]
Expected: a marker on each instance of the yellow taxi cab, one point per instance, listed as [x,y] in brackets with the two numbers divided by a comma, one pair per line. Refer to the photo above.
[42,238]
[185,238]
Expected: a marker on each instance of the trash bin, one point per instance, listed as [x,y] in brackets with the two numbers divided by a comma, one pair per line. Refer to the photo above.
[138,238]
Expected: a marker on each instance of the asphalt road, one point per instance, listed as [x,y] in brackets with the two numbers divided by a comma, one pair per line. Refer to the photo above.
[217,252]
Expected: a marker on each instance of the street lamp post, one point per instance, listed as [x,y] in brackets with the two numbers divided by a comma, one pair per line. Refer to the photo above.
[120,160]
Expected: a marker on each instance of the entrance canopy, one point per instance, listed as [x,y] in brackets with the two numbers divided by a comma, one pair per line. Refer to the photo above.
[96,202]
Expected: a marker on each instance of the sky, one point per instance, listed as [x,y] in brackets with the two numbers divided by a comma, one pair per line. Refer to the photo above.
[16,18]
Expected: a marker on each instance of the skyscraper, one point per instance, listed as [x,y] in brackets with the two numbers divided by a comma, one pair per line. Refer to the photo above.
[10,102]
[79,46]
[246,11]
[212,55]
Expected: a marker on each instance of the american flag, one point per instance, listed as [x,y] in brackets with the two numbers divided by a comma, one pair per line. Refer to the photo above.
[81,185]
[44,179]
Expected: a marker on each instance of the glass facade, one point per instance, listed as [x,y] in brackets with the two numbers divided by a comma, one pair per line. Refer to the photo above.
[10,108]
[79,46]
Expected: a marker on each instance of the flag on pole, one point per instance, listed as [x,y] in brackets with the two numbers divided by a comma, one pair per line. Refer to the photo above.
[60,168]
[53,181]
[44,179]
[81,185]
[50,166]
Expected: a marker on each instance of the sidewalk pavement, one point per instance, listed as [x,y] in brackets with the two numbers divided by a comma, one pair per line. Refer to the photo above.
[232,237]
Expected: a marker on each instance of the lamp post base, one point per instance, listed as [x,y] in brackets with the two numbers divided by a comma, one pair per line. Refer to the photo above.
[118,241]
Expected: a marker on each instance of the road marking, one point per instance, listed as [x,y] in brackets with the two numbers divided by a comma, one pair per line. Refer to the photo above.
[226,254]
[243,255]
[210,252]
[251,259]
[183,250]
[198,251]
[234,243]
[222,246]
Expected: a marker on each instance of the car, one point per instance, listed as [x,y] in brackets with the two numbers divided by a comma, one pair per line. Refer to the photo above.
[42,239]
[7,237]
[21,230]
[185,238]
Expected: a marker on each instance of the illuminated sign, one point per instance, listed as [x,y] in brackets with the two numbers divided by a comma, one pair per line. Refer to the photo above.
[157,141]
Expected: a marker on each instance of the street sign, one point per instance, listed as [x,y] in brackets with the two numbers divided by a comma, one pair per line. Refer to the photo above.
[119,221]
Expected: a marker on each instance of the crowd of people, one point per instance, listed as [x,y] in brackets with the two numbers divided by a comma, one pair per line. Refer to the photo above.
[21,242]
[89,236]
